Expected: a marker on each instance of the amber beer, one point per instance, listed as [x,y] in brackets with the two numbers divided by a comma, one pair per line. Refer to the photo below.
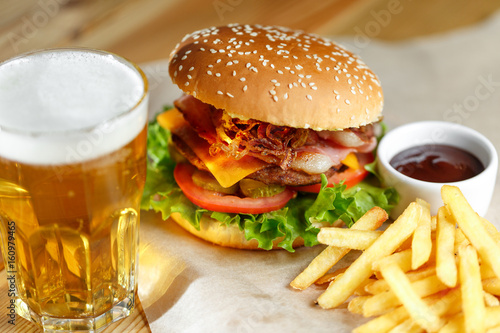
[72,171]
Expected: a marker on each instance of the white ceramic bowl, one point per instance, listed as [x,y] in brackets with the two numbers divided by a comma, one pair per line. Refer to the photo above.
[478,190]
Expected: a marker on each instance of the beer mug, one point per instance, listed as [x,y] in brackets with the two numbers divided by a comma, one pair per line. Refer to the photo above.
[72,171]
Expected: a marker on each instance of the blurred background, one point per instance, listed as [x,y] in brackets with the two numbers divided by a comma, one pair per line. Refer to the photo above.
[146,30]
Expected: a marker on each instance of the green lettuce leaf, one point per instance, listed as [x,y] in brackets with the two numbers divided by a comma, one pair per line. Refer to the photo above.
[299,218]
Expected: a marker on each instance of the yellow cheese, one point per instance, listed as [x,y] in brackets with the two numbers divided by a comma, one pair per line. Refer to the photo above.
[351,161]
[171,119]
[227,171]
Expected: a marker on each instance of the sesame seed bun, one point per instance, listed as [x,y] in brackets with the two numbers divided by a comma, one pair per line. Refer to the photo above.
[277,75]
[213,231]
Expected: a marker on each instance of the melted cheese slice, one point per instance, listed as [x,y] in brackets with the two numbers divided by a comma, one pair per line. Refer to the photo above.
[351,161]
[227,171]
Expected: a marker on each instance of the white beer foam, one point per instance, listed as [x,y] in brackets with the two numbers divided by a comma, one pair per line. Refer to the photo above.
[75,105]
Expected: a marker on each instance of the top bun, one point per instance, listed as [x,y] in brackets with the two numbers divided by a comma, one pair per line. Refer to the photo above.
[277,75]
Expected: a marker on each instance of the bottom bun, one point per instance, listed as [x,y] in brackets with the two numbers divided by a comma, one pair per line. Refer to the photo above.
[213,231]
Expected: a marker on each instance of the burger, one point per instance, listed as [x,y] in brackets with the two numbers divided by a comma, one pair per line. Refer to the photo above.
[272,139]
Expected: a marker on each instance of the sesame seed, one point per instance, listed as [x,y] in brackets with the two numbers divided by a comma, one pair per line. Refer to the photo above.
[290,85]
[189,77]
[180,68]
[254,69]
[190,69]
[280,71]
[303,84]
[229,63]
[248,65]
[347,102]
[218,60]
[217,74]
[220,92]
[184,57]
[234,73]
[209,72]
[309,97]
[275,98]
[245,88]
[230,95]
[186,84]
[352,118]
[285,96]
[242,79]
[314,88]
[337,97]
[272,92]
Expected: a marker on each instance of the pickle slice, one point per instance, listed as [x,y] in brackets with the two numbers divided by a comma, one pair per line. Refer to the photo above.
[207,181]
[255,189]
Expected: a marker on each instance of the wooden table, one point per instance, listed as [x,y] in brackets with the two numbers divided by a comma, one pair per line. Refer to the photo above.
[146,30]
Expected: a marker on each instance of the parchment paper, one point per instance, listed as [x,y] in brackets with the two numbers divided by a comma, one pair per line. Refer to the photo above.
[188,285]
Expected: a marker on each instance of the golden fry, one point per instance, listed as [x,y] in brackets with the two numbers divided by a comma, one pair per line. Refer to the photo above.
[348,238]
[402,259]
[472,291]
[329,277]
[492,286]
[421,242]
[446,267]
[356,304]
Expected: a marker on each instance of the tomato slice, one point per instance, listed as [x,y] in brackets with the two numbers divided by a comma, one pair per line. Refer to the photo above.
[350,176]
[219,202]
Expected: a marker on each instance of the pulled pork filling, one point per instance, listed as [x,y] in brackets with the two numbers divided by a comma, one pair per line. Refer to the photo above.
[296,156]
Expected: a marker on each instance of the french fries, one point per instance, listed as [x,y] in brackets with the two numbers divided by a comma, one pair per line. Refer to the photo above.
[343,287]
[372,220]
[422,274]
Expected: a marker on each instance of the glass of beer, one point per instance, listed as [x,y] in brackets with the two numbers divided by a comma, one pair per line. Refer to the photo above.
[72,171]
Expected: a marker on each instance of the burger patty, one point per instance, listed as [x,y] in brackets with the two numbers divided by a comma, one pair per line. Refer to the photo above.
[276,175]
[269,175]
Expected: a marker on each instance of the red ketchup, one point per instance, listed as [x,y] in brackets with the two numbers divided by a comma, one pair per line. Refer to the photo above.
[437,163]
